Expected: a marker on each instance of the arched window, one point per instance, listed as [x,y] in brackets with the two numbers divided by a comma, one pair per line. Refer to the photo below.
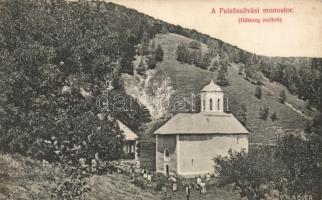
[166,154]
[210,104]
[204,104]
[218,104]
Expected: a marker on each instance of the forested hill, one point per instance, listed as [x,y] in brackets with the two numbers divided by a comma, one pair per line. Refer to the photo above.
[301,75]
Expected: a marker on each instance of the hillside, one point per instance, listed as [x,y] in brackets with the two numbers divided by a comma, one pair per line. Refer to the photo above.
[22,178]
[190,79]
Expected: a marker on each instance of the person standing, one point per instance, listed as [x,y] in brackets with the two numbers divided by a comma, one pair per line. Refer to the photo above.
[164,192]
[188,191]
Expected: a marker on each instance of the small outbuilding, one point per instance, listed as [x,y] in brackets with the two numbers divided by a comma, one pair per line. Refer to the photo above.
[130,142]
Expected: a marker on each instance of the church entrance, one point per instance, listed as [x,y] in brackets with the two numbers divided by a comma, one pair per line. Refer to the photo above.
[166,169]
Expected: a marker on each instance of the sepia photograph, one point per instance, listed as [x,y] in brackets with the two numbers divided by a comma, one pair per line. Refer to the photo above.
[160,100]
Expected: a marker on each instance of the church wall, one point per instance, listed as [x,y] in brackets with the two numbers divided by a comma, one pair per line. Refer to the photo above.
[166,142]
[196,152]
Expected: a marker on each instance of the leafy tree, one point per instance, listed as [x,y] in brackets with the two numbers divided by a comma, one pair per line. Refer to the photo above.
[145,42]
[301,158]
[182,53]
[222,79]
[141,68]
[282,96]
[159,53]
[243,114]
[195,44]
[258,92]
[240,69]
[249,172]
[215,66]
[152,63]
[263,112]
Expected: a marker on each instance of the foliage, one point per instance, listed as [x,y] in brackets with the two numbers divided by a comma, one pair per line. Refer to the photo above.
[152,63]
[141,68]
[222,77]
[193,56]
[263,112]
[290,168]
[249,172]
[160,181]
[159,53]
[258,92]
[282,96]
[195,44]
[242,114]
[301,156]
[274,117]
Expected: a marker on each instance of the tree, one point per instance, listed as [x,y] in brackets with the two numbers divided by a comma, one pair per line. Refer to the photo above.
[240,69]
[182,53]
[141,68]
[215,66]
[159,53]
[222,79]
[152,63]
[243,114]
[249,172]
[274,116]
[258,92]
[282,96]
[263,112]
[195,44]
[55,72]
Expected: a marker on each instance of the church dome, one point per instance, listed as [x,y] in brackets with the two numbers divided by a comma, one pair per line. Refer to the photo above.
[211,87]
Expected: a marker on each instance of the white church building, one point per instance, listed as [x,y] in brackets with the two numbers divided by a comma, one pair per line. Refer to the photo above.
[188,142]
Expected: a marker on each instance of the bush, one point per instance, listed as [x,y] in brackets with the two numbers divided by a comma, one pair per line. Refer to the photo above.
[139,181]
[160,180]
[263,113]
[194,44]
[152,63]
[141,68]
[159,54]
[243,114]
[258,92]
[274,117]
[282,96]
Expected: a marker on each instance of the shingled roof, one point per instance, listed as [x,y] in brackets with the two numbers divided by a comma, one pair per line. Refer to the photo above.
[212,87]
[202,123]
[128,133]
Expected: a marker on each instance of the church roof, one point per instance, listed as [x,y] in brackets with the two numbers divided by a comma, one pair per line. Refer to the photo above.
[202,123]
[211,87]
[128,133]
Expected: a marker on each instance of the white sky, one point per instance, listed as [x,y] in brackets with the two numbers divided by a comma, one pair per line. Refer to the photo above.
[300,33]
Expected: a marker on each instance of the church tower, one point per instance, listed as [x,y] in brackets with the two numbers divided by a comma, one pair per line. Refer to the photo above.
[212,98]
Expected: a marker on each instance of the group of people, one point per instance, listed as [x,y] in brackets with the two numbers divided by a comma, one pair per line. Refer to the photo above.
[200,185]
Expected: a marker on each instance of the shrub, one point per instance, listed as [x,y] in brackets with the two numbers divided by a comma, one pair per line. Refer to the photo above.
[160,181]
[141,68]
[139,181]
[258,92]
[282,96]
[195,44]
[274,117]
[159,54]
[152,63]
[263,113]
[243,114]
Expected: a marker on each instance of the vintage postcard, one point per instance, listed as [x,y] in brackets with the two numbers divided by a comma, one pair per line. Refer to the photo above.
[160,100]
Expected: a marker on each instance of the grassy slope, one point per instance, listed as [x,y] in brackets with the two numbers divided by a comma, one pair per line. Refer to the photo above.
[187,78]
[26,179]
